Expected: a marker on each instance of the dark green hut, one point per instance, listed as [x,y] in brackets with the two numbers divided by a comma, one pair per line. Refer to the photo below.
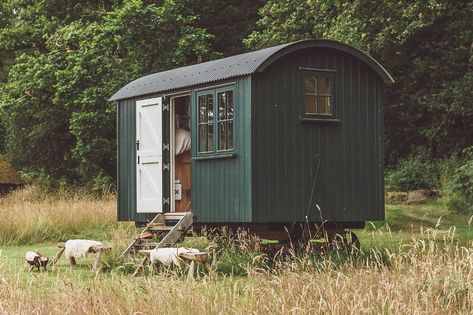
[265,127]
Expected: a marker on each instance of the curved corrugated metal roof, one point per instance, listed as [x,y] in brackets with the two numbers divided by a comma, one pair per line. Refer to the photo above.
[231,67]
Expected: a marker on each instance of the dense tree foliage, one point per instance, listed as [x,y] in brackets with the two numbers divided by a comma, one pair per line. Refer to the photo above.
[70,57]
[426,45]
[61,60]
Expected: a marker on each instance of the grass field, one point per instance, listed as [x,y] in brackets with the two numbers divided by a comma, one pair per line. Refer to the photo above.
[419,261]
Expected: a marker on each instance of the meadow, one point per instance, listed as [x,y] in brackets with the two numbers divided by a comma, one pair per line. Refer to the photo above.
[420,261]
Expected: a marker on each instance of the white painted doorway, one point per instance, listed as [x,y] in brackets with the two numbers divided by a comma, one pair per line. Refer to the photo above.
[149,155]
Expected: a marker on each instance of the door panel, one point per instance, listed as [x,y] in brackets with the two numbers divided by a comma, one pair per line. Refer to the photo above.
[149,170]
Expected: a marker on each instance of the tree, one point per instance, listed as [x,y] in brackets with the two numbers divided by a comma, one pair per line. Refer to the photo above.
[425,45]
[55,101]
[70,57]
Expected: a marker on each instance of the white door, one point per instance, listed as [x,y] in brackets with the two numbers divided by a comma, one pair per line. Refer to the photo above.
[149,154]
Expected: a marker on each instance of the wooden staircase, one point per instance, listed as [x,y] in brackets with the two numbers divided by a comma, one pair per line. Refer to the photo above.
[163,231]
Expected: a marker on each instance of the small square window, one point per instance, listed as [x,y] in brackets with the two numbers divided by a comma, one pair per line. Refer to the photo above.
[317,93]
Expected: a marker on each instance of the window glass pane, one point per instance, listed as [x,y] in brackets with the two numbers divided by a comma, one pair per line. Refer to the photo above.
[222,100]
[310,85]
[309,104]
[323,86]
[230,105]
[210,137]
[202,138]
[210,107]
[229,135]
[202,109]
[221,136]
[323,105]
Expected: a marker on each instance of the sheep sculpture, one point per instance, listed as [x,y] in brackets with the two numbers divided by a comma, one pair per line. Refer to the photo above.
[35,259]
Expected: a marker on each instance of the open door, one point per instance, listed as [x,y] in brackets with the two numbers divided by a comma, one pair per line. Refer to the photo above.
[149,155]
[181,145]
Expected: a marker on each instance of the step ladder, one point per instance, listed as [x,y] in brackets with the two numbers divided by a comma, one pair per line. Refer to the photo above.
[163,231]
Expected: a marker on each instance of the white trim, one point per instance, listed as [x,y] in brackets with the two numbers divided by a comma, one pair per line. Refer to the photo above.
[150,101]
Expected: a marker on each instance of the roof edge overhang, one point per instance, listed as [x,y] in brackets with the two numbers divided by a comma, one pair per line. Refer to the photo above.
[260,60]
[328,43]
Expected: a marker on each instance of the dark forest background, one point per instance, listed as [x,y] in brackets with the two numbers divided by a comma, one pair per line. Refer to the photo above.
[61,60]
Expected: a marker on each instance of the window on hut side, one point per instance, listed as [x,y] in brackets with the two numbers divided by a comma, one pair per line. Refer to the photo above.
[318,93]
[225,120]
[215,123]
[206,125]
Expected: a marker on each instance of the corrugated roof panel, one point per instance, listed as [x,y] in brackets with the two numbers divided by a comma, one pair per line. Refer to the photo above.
[225,68]
[230,67]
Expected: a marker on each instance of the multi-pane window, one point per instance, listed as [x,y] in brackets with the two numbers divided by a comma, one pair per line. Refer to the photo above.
[317,96]
[215,122]
[225,120]
[206,123]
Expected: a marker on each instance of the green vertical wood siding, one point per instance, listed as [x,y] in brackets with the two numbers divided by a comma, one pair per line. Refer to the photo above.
[221,188]
[126,163]
[350,179]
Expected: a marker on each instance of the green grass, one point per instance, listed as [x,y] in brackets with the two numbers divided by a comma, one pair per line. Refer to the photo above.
[245,274]
[405,222]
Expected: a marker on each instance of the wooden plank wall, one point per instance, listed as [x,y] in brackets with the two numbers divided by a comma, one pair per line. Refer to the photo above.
[221,188]
[350,184]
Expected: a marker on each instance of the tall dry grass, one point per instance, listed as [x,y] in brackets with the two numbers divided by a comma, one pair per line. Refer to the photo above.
[31,215]
[426,277]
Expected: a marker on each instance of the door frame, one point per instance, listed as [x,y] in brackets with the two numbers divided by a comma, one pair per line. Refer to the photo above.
[172,122]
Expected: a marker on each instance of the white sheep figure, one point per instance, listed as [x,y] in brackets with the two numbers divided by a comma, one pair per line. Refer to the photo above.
[35,259]
[169,256]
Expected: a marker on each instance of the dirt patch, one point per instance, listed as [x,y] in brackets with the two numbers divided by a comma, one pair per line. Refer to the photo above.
[415,197]
[396,197]
[420,196]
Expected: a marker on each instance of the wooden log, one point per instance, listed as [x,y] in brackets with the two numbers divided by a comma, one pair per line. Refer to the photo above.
[200,257]
[144,252]
[96,266]
[144,235]
[190,275]
[100,248]
[155,224]
[140,266]
[57,256]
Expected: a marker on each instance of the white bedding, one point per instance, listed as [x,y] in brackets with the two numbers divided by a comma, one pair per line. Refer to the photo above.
[182,141]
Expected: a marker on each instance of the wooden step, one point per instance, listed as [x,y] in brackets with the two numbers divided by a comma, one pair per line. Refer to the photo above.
[146,244]
[153,225]
[175,215]
[161,228]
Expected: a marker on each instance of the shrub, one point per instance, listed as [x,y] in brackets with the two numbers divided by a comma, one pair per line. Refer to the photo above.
[460,185]
[415,172]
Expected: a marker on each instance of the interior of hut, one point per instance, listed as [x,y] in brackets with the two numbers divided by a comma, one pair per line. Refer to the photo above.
[182,158]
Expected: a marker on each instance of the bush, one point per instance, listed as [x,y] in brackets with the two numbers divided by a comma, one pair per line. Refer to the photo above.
[460,185]
[415,172]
